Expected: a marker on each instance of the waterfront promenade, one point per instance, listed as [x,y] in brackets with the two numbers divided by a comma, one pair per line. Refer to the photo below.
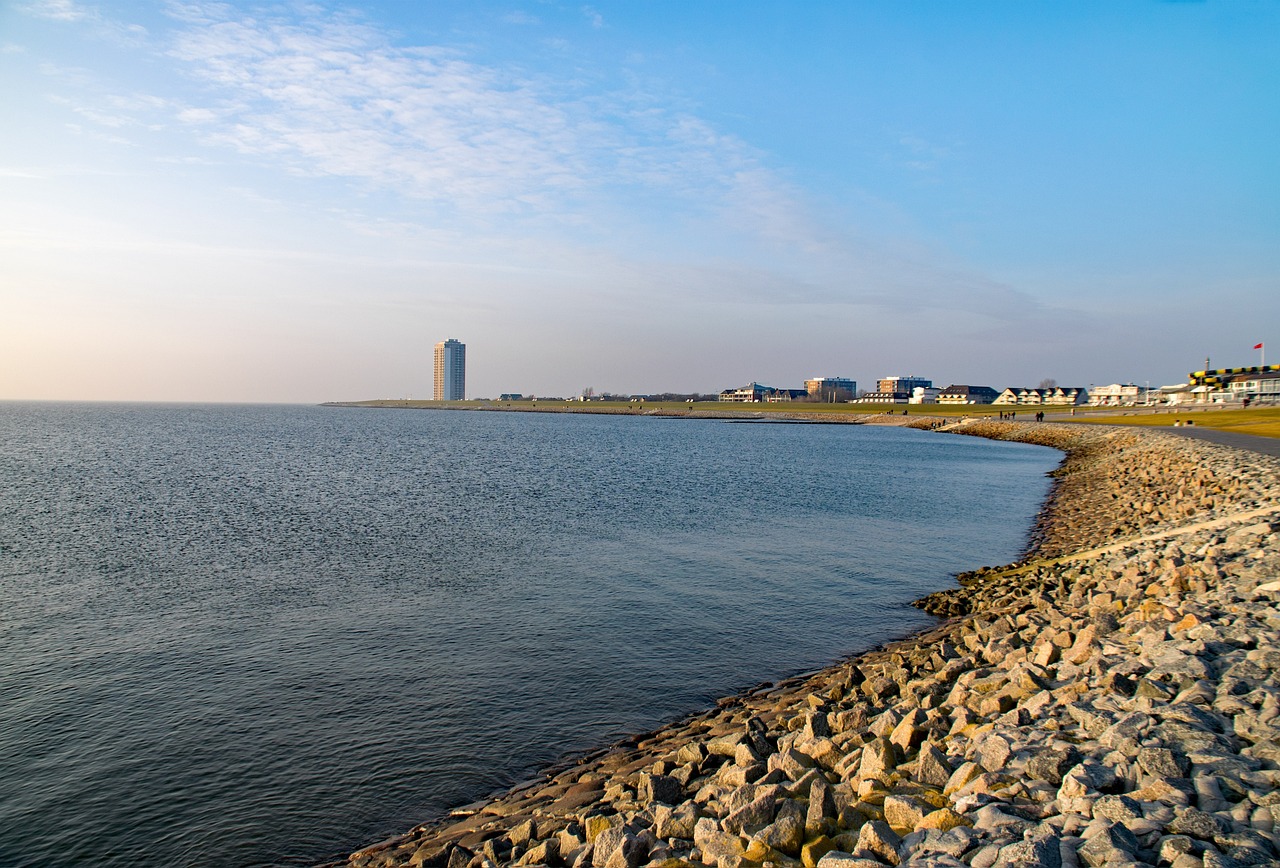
[1111,699]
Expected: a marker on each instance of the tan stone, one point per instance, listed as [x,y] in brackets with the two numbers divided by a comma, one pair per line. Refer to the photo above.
[814,849]
[904,813]
[962,776]
[943,819]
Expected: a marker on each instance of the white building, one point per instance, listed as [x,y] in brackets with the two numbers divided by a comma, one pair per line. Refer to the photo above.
[962,394]
[1262,387]
[924,395]
[1058,396]
[451,370]
[1117,395]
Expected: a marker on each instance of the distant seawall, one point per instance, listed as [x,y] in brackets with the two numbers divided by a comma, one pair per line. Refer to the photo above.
[1112,698]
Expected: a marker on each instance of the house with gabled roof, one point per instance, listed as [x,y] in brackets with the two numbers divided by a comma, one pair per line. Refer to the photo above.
[1059,396]
[958,394]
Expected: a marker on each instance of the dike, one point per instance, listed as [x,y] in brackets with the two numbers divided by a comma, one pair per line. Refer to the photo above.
[1112,699]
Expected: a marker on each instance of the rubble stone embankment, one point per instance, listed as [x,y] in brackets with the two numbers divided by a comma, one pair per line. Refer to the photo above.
[1113,699]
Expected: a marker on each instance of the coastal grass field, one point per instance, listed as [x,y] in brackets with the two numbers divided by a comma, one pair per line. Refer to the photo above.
[683,407]
[1260,421]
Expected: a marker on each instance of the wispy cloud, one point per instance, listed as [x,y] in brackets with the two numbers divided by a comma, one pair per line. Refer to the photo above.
[71,12]
[519,17]
[59,10]
[921,155]
[331,94]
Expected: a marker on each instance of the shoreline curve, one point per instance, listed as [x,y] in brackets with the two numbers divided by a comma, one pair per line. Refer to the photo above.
[1113,697]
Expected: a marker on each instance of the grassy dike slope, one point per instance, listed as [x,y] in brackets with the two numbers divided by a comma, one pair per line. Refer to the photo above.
[1113,699]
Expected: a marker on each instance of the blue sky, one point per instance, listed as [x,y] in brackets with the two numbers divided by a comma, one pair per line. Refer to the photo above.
[294,202]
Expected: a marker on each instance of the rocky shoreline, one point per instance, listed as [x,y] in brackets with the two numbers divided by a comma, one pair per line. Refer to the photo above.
[1112,699]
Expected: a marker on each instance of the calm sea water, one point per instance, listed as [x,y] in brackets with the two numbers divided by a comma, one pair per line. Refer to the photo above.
[269,635]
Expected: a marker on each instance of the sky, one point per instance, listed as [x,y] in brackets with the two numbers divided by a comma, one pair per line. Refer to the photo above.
[293,202]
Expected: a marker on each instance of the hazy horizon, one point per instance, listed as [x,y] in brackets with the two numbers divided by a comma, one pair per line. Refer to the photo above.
[279,202]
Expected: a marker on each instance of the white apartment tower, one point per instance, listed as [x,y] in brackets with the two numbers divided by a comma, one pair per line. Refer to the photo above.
[451,370]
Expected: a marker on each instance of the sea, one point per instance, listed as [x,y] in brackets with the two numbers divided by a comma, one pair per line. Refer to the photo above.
[270,635]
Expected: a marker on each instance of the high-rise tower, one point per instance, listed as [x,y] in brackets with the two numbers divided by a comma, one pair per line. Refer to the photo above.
[451,370]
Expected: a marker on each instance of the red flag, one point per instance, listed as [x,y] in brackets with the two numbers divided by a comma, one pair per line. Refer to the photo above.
[1257,346]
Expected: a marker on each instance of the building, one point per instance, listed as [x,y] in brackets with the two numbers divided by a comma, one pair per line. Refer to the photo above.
[1117,395]
[749,394]
[831,389]
[754,393]
[922,395]
[1059,396]
[1220,385]
[901,385]
[883,398]
[1263,387]
[957,394]
[451,370]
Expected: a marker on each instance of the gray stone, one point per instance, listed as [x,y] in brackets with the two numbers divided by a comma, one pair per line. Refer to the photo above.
[821,806]
[1245,839]
[1052,765]
[790,762]
[910,732]
[1198,824]
[1118,809]
[606,843]
[660,788]
[753,816]
[1173,846]
[786,833]
[675,822]
[932,767]
[994,753]
[816,726]
[840,859]
[716,844]
[548,853]
[879,840]
[1093,723]
[522,833]
[991,819]
[953,843]
[878,756]
[1161,762]
[1114,843]
[1044,852]
[1125,733]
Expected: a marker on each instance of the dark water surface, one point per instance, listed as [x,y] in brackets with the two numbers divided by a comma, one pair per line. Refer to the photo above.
[269,635]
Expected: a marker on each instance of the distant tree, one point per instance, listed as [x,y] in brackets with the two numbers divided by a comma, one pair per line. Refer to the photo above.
[1048,383]
[588,392]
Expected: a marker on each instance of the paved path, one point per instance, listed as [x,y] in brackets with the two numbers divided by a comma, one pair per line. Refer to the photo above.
[1252,442]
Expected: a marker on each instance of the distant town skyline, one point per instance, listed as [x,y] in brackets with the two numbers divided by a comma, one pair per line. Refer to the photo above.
[245,202]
